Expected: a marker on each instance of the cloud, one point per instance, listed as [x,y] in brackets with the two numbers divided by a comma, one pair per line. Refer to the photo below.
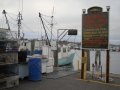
[68,13]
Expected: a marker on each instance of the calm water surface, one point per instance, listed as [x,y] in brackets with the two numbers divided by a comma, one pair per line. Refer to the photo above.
[114,61]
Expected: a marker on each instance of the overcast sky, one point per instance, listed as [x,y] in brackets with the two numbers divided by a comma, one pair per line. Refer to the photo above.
[67,14]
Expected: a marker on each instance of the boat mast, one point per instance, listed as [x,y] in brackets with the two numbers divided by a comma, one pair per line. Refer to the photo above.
[4,12]
[7,22]
[48,42]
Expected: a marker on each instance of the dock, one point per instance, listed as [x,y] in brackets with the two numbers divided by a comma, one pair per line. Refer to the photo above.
[68,82]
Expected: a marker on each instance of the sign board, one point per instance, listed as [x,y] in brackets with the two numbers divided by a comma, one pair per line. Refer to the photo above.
[95,29]
[72,32]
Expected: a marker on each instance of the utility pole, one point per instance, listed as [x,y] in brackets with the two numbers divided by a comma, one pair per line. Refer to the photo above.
[4,12]
[108,54]
[83,55]
[19,23]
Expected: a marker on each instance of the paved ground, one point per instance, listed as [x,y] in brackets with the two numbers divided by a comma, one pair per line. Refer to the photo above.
[65,83]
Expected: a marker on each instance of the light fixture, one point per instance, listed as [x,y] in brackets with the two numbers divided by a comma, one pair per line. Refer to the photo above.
[108,8]
[84,10]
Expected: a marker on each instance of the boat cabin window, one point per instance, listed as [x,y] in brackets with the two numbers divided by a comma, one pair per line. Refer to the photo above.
[68,49]
[25,44]
[59,49]
[64,50]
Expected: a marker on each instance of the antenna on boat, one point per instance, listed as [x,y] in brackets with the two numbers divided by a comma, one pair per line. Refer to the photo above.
[19,23]
[7,22]
[20,6]
[52,21]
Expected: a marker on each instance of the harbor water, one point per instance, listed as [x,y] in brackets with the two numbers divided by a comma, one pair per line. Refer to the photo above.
[114,61]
